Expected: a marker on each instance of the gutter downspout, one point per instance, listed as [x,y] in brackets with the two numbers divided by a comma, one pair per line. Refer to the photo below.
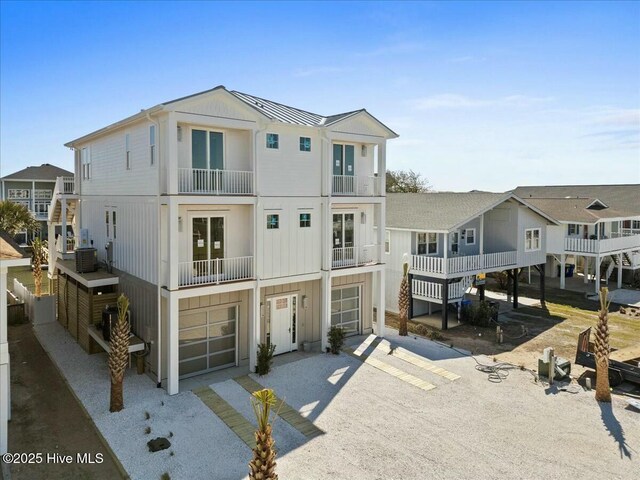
[159,255]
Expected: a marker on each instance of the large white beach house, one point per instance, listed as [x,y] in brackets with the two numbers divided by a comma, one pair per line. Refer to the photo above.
[229,220]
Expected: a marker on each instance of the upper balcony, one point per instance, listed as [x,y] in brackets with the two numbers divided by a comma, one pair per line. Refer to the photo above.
[617,242]
[463,264]
[359,256]
[203,181]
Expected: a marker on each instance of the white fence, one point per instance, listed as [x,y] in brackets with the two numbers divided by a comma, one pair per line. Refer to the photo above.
[355,256]
[39,309]
[215,182]
[361,186]
[217,270]
[463,263]
[424,289]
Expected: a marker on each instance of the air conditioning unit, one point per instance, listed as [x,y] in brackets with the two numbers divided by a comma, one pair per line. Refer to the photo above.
[86,260]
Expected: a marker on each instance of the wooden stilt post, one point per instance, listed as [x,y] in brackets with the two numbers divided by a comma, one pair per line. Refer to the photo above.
[445,304]
[542,294]
[481,292]
[515,288]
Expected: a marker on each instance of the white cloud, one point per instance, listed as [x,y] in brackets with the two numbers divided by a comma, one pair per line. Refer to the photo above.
[450,100]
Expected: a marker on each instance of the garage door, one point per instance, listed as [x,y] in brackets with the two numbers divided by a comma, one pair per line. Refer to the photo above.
[207,340]
[345,309]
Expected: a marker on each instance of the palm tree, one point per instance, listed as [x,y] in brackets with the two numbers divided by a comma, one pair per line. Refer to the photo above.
[602,349]
[16,218]
[263,464]
[403,300]
[119,353]
[40,255]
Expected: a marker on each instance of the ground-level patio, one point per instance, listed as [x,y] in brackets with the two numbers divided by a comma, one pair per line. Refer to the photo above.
[382,415]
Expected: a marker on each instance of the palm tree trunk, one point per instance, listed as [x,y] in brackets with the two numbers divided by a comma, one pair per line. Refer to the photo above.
[117,402]
[602,349]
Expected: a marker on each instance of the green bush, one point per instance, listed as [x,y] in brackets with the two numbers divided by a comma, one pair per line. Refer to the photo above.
[265,358]
[480,315]
[336,339]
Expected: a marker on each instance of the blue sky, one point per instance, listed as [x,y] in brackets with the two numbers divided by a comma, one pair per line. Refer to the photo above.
[484,95]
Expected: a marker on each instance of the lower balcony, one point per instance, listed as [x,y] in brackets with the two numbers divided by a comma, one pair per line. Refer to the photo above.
[345,257]
[215,271]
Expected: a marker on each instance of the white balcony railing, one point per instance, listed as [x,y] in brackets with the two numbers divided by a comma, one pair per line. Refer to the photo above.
[215,182]
[41,209]
[431,290]
[355,256]
[217,270]
[64,186]
[359,186]
[584,245]
[463,263]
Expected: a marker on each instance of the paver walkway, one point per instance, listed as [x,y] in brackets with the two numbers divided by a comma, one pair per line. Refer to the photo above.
[287,413]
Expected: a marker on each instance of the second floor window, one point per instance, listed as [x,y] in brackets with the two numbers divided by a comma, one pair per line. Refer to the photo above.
[532,239]
[273,140]
[305,144]
[470,235]
[454,242]
[573,229]
[18,193]
[427,243]
[305,220]
[85,158]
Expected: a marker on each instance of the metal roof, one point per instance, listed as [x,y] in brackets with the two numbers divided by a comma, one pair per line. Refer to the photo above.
[45,171]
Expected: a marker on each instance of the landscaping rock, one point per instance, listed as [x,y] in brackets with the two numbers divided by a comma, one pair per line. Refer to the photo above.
[158,444]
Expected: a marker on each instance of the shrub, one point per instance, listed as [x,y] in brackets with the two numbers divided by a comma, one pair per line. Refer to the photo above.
[265,358]
[480,316]
[336,339]
[427,332]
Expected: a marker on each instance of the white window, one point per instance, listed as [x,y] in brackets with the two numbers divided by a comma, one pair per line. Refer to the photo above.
[305,144]
[85,157]
[387,241]
[127,151]
[470,236]
[454,242]
[152,144]
[532,239]
[427,243]
[19,193]
[43,194]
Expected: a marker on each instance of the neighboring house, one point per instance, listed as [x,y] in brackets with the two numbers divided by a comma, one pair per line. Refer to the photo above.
[32,187]
[230,220]
[598,231]
[449,238]
[11,255]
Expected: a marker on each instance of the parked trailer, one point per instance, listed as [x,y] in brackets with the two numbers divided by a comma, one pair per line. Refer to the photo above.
[619,370]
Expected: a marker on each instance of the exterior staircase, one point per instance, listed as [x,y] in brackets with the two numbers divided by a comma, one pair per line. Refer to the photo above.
[63,194]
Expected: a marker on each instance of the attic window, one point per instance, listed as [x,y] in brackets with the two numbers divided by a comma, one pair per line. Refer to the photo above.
[596,205]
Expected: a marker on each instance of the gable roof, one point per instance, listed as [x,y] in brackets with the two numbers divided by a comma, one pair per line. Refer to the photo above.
[45,171]
[443,211]
[9,249]
[570,203]
[268,108]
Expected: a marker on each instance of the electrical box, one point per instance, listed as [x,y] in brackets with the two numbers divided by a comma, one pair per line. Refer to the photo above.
[561,363]
[84,238]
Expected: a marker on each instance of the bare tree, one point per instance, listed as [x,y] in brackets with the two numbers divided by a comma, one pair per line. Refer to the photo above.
[402,181]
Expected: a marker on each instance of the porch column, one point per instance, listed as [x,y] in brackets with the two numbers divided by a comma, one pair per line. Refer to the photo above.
[542,292]
[171,157]
[173,242]
[563,258]
[380,313]
[5,413]
[325,309]
[515,288]
[481,245]
[382,167]
[445,304]
[620,270]
[598,263]
[445,247]
[173,356]
[255,321]
[63,233]
[586,269]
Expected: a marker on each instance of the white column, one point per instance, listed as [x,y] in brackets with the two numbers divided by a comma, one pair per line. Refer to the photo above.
[481,241]
[445,243]
[380,320]
[586,269]
[620,270]
[173,355]
[4,363]
[255,320]
[325,309]
[598,262]
[382,166]
[562,264]
[173,247]
[171,160]
[63,233]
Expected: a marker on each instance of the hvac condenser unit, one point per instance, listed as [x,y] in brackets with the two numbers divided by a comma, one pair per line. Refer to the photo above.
[86,260]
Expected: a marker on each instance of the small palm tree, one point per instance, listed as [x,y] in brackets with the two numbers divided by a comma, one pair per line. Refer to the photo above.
[263,464]
[16,218]
[403,300]
[119,353]
[40,254]
[602,349]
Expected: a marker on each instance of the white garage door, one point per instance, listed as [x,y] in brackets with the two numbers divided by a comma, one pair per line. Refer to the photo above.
[345,309]
[207,340]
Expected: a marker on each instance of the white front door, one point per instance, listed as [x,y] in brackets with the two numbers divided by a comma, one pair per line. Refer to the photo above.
[283,324]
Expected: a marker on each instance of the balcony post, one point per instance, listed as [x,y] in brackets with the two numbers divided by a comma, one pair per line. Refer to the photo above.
[445,304]
[598,263]
[171,157]
[382,167]
[515,287]
[173,371]
[172,222]
[562,274]
[63,233]
[254,326]
[381,311]
[445,243]
[481,246]
[620,270]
